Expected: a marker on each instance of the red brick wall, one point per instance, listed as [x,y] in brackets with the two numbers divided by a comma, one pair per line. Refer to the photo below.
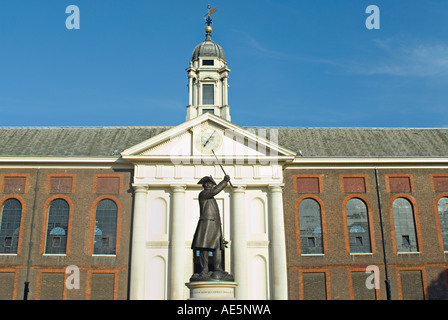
[337,264]
[82,189]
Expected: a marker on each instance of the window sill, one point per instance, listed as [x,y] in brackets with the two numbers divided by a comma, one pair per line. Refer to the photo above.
[15,254]
[418,252]
[312,254]
[104,255]
[362,254]
[54,254]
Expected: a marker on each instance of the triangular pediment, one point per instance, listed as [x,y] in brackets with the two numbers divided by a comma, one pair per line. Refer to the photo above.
[206,136]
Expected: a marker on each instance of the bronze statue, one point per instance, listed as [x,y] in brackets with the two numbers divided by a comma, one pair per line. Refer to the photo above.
[208,235]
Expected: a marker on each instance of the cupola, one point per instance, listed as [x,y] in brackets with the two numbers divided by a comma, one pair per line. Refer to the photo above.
[208,78]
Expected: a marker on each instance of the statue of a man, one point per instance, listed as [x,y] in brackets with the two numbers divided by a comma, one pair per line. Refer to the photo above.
[208,235]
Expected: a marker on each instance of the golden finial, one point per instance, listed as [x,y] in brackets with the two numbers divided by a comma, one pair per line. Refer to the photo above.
[208,20]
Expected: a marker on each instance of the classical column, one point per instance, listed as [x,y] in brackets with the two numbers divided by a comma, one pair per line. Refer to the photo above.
[239,242]
[277,244]
[225,92]
[190,90]
[177,244]
[137,280]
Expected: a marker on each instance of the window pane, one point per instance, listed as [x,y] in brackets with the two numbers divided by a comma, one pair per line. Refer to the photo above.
[442,206]
[105,227]
[208,62]
[310,227]
[57,227]
[10,226]
[404,225]
[212,111]
[358,226]
[208,94]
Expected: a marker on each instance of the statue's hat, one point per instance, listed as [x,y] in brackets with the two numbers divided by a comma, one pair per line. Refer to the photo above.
[207,179]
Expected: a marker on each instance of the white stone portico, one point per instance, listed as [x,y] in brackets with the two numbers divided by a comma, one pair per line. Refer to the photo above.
[166,210]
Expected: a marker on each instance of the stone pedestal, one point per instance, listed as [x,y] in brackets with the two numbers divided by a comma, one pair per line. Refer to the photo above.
[212,290]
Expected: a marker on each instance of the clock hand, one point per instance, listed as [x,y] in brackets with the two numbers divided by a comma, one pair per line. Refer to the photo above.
[208,139]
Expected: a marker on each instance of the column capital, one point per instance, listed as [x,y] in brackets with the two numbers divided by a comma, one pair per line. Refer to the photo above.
[140,187]
[239,188]
[178,187]
[276,187]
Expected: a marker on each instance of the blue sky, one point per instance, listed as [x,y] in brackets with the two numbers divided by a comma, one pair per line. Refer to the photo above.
[294,63]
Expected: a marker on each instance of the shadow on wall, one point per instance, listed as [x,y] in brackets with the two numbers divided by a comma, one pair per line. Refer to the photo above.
[438,288]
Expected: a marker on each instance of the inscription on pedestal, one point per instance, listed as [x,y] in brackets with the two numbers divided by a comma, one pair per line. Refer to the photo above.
[212,290]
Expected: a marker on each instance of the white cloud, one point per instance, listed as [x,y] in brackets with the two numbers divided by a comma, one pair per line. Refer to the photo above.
[408,58]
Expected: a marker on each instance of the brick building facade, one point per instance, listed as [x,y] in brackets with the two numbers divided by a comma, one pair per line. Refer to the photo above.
[41,256]
[334,225]
[339,271]
[109,207]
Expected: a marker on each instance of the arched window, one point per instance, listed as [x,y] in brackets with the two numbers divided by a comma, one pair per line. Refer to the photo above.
[442,207]
[310,227]
[105,227]
[404,225]
[57,227]
[358,226]
[10,225]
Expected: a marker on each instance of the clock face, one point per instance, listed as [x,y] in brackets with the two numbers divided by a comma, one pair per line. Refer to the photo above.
[208,139]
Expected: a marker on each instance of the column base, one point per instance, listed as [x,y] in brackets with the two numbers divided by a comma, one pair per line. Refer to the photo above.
[212,290]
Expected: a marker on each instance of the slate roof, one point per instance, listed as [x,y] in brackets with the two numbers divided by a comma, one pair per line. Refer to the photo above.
[313,142]
[72,141]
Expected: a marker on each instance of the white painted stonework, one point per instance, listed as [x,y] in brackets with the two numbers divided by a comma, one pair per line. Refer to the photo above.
[167,169]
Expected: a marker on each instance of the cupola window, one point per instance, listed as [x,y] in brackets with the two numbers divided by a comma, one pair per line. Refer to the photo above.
[208,94]
[208,62]
[212,111]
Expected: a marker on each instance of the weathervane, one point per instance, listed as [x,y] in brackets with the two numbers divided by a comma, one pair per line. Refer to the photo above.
[208,19]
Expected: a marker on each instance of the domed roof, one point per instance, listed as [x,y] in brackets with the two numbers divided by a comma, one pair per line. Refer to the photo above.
[208,48]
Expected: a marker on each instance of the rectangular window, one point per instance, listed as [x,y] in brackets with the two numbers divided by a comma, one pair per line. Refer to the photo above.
[359,241]
[208,94]
[56,242]
[212,111]
[406,241]
[208,62]
[8,242]
[311,242]
[105,242]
